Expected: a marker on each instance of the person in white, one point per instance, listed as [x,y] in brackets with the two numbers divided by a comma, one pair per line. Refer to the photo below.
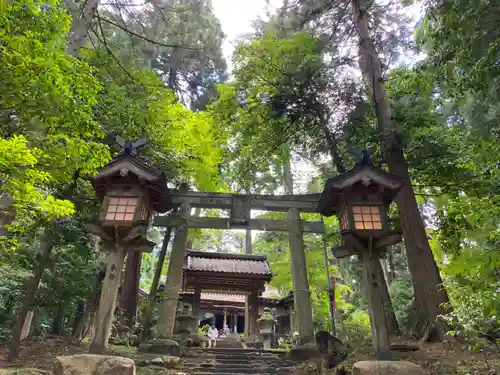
[212,334]
[227,331]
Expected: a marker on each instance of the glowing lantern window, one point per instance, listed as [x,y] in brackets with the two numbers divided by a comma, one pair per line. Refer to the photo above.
[367,217]
[121,208]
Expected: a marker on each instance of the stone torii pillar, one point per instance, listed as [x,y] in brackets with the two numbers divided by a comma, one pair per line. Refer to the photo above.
[168,307]
[301,292]
[302,295]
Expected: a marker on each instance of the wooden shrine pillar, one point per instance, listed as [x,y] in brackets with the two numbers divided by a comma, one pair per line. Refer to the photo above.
[168,307]
[107,304]
[224,321]
[247,316]
[196,306]
[253,315]
[302,295]
[234,328]
[130,287]
[292,322]
[376,307]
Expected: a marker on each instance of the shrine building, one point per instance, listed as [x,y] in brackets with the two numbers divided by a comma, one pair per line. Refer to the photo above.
[228,289]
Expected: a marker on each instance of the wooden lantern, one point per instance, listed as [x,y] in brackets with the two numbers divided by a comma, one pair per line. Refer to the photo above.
[130,190]
[361,198]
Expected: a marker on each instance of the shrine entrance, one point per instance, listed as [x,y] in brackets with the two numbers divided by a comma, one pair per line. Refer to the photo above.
[251,283]
[225,286]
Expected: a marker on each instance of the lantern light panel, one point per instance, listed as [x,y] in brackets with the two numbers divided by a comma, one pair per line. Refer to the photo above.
[367,217]
[121,209]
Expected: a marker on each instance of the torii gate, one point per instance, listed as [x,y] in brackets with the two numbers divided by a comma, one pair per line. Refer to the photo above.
[240,218]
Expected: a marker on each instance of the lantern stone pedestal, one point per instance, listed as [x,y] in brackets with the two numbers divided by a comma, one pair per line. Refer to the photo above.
[266,328]
[183,329]
[107,304]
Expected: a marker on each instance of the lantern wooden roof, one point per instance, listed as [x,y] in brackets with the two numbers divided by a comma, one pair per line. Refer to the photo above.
[363,173]
[130,169]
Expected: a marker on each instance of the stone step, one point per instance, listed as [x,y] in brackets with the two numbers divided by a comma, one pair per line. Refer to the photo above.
[225,373]
[230,362]
[232,350]
[225,370]
[240,357]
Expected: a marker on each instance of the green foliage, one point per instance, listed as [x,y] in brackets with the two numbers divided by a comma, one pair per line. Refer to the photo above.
[203,330]
[355,326]
[46,122]
[136,104]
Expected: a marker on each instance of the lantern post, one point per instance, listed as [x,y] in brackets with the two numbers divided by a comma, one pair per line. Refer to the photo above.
[130,190]
[360,198]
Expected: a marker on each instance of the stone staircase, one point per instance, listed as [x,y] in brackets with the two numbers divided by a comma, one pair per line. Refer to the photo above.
[226,361]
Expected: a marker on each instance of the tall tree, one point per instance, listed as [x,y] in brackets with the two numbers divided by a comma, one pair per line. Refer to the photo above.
[349,23]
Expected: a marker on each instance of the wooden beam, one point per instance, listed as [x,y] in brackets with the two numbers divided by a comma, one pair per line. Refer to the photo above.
[305,202]
[343,252]
[389,240]
[225,223]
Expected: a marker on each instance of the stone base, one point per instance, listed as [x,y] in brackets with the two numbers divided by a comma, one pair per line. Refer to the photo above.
[387,368]
[161,346]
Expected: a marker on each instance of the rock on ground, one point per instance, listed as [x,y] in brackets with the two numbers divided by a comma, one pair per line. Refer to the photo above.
[163,346]
[387,368]
[166,361]
[91,364]
[157,362]
[23,371]
[171,361]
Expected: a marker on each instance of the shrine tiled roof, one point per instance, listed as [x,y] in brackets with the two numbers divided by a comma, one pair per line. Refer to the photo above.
[227,263]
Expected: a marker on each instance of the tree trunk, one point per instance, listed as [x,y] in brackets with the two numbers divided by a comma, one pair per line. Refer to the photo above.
[57,323]
[390,316]
[89,309]
[146,319]
[31,287]
[425,275]
[130,287]
[80,27]
[168,308]
[27,325]
[79,318]
[333,148]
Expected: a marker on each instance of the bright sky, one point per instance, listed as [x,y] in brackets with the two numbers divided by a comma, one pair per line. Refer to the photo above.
[236,18]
